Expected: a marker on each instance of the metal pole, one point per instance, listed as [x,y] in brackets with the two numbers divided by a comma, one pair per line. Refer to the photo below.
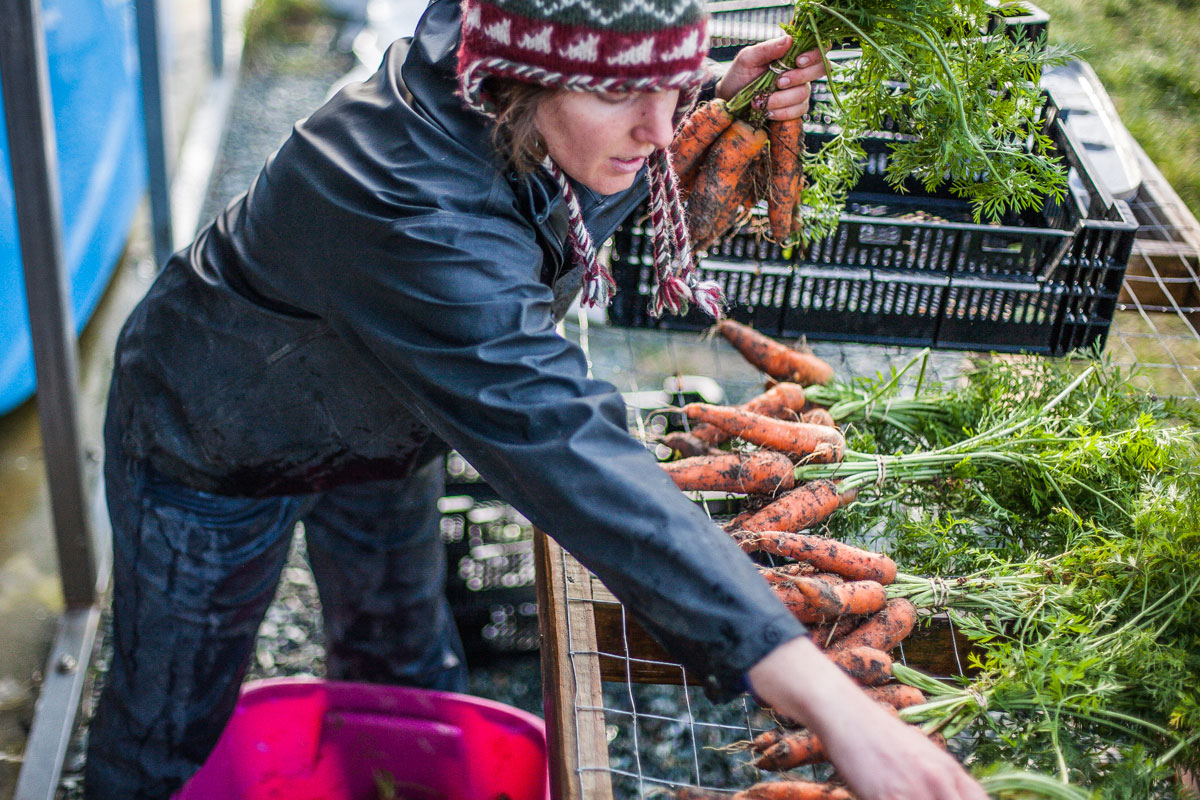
[217,38]
[31,138]
[155,122]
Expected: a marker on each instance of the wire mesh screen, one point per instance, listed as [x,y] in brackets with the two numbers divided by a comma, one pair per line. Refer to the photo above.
[658,730]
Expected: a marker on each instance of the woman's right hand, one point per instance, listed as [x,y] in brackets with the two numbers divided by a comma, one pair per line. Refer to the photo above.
[879,757]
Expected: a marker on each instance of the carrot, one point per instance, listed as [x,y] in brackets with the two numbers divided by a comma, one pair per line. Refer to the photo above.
[761,471]
[824,634]
[816,444]
[783,400]
[706,230]
[695,793]
[786,139]
[803,507]
[809,601]
[861,597]
[786,572]
[725,165]
[865,665]
[803,747]
[735,525]
[777,360]
[703,126]
[897,695]
[818,416]
[778,575]
[793,750]
[826,554]
[687,445]
[884,630]
[794,789]
[766,739]
[814,600]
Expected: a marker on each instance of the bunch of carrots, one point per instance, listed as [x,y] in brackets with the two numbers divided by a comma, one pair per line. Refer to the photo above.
[782,427]
[726,166]
[838,591]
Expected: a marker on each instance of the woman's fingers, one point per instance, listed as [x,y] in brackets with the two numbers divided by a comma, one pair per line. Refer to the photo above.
[809,67]
[790,99]
[789,103]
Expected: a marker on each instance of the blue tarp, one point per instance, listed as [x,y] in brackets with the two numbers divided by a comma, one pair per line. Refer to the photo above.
[92,55]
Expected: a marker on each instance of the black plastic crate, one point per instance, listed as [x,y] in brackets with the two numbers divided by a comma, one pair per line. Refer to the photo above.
[733,24]
[913,269]
[489,566]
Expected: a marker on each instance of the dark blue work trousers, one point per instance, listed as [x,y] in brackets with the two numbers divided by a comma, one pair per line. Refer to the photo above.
[193,575]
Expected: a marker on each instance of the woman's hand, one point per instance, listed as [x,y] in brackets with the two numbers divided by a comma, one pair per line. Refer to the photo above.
[880,757]
[790,98]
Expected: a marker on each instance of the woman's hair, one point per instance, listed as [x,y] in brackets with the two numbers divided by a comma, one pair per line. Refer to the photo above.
[514,134]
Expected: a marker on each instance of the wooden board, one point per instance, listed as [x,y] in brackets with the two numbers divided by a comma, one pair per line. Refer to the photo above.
[571,698]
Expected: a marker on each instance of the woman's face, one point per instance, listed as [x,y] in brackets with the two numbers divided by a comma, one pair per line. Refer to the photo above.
[602,140]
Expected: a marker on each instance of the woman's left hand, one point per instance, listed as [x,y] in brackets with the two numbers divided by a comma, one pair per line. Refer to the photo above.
[790,98]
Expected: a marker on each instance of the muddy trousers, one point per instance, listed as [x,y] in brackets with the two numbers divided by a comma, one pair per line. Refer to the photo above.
[193,575]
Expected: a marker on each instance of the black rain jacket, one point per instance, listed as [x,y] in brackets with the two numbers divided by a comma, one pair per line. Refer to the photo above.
[385,289]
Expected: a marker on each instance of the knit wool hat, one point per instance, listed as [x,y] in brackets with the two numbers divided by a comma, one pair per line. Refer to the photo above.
[601,46]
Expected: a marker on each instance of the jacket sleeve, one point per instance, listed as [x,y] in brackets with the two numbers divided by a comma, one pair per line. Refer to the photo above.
[467,338]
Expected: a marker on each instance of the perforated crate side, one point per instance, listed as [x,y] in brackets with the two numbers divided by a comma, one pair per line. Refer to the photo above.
[913,269]
[734,24]
[489,573]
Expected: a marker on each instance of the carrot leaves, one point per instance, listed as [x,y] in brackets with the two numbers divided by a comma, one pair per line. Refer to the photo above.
[960,108]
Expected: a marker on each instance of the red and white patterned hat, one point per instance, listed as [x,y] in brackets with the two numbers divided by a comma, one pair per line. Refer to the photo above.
[601,46]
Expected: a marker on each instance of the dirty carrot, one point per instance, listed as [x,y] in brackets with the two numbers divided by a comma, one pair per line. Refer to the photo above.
[774,358]
[801,508]
[759,472]
[766,739]
[828,555]
[818,416]
[785,573]
[884,630]
[793,750]
[896,695]
[694,793]
[707,229]
[814,444]
[809,601]
[861,597]
[794,789]
[865,665]
[702,127]
[786,139]
[687,444]
[814,600]
[729,157]
[783,400]
[824,634]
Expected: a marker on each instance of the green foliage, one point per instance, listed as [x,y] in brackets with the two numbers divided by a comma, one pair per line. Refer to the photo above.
[964,109]
[278,20]
[1067,535]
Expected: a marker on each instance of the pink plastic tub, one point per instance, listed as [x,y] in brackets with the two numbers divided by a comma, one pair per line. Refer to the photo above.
[309,739]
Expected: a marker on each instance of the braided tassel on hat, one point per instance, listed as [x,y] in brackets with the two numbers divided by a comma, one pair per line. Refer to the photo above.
[598,283]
